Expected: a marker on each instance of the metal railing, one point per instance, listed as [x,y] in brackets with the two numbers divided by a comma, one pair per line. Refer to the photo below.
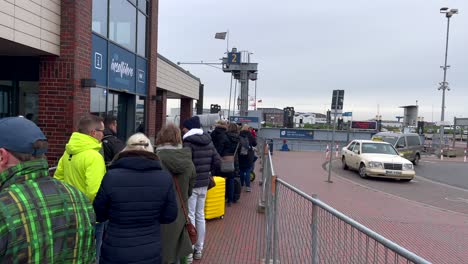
[303,229]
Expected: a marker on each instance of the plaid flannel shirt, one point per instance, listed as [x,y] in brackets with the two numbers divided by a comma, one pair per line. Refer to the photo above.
[43,220]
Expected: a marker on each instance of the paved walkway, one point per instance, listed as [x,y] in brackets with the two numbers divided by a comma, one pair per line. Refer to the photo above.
[238,237]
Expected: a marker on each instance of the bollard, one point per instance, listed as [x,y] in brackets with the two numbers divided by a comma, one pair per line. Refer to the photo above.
[327,151]
[441,154]
[464,159]
[336,151]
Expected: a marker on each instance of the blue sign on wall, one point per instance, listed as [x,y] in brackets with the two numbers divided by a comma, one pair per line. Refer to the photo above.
[243,119]
[141,76]
[99,60]
[122,70]
[296,133]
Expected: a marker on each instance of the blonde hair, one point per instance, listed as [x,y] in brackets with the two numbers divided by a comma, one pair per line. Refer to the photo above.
[245,127]
[169,134]
[139,141]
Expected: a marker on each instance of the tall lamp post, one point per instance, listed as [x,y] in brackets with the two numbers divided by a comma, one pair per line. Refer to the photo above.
[444,84]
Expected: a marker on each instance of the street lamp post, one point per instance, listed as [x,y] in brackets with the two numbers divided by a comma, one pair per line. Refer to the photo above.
[444,84]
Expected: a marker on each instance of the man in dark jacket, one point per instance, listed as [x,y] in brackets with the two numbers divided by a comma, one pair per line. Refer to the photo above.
[246,159]
[206,160]
[42,220]
[111,144]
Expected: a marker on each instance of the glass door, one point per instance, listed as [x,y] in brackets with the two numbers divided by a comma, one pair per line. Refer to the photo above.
[122,106]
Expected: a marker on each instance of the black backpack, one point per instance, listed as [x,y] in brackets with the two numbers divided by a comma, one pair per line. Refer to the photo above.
[244,146]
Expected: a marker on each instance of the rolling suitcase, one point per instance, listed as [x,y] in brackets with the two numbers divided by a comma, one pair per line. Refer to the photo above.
[215,199]
[237,189]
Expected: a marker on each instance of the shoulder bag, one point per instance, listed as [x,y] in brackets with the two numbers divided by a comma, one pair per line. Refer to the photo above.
[192,231]
[227,162]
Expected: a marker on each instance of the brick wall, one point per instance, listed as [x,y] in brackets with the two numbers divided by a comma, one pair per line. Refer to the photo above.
[161,109]
[62,100]
[186,108]
[152,71]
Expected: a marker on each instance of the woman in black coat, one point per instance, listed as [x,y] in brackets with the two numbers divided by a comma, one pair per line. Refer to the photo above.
[135,196]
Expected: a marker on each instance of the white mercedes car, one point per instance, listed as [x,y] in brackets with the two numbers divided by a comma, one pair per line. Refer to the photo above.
[376,159]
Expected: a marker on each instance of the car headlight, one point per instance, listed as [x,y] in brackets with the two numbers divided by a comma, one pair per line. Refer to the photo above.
[408,166]
[375,164]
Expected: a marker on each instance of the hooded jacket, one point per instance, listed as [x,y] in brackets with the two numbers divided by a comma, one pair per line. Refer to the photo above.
[111,145]
[136,196]
[175,240]
[204,155]
[246,161]
[82,165]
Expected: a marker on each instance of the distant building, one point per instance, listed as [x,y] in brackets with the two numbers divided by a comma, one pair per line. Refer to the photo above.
[273,116]
[309,118]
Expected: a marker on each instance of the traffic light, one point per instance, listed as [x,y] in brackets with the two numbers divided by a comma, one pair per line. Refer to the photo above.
[215,108]
[329,117]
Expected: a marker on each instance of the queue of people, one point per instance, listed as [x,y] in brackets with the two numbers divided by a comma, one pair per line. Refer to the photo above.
[111,202]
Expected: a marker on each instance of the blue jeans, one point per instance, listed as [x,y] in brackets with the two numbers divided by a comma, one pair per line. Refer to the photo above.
[99,232]
[244,174]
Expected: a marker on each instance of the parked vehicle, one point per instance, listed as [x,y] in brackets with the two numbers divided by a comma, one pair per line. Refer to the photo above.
[376,159]
[408,144]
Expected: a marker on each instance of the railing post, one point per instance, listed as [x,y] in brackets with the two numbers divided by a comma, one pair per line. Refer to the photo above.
[314,225]
[275,217]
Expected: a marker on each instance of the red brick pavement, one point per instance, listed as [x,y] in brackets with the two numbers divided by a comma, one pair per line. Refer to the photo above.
[238,237]
[437,235]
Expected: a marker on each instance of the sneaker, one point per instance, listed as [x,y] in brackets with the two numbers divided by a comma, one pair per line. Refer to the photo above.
[197,255]
[190,258]
[248,189]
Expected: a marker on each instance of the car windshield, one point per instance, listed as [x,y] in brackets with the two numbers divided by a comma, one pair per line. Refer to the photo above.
[378,148]
[389,139]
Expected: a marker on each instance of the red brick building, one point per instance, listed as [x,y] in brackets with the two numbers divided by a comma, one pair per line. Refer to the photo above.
[62,59]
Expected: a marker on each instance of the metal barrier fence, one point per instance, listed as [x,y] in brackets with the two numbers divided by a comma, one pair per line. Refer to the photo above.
[303,229]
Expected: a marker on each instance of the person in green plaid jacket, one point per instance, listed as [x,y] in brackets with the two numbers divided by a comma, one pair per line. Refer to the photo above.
[42,220]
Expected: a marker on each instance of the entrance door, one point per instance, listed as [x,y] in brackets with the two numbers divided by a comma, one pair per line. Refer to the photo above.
[122,106]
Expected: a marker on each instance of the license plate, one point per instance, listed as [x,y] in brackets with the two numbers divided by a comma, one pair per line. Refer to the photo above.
[391,172]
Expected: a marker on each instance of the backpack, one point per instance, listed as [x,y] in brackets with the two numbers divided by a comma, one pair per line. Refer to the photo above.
[244,146]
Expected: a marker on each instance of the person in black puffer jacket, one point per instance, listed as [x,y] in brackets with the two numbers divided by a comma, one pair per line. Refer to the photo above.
[246,161]
[136,196]
[206,160]
[226,145]
[111,144]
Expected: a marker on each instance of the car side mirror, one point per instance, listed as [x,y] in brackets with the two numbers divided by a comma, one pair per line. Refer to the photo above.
[356,151]
[400,146]
[401,154]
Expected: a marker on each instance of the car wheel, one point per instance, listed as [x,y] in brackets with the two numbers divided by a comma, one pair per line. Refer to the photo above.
[343,164]
[416,159]
[405,180]
[362,171]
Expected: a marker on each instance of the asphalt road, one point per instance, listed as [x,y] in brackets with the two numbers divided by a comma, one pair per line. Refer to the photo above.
[440,184]
[451,173]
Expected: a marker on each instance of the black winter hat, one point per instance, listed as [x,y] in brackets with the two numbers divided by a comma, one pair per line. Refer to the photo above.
[193,122]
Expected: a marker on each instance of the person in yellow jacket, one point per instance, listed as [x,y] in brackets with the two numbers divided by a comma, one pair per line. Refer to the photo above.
[82,165]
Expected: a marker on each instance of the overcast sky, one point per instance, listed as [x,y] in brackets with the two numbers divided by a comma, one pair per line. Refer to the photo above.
[384,53]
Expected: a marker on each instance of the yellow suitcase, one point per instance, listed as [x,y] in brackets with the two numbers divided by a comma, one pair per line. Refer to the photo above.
[215,199]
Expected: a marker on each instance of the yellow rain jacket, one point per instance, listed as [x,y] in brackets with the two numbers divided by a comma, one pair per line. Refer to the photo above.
[82,165]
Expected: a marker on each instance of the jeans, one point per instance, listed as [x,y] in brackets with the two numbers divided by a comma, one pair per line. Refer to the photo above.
[99,232]
[245,176]
[230,187]
[196,206]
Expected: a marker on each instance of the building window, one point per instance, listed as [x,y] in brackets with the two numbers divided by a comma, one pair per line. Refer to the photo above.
[100,17]
[122,23]
[140,114]
[141,42]
[143,6]
[98,101]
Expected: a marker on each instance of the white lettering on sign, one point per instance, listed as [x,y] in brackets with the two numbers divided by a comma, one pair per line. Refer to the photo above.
[122,68]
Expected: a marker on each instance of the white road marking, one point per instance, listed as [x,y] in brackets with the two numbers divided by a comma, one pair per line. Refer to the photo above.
[457,199]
